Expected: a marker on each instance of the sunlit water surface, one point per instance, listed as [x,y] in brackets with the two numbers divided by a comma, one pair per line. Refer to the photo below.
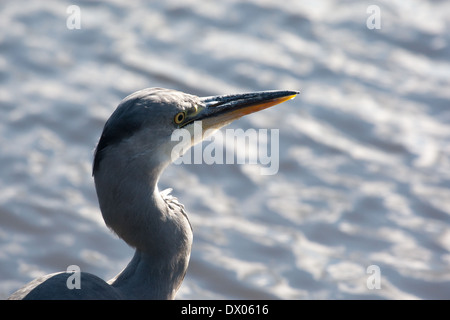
[363,153]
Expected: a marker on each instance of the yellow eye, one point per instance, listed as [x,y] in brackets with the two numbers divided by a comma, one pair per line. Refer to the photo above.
[179,118]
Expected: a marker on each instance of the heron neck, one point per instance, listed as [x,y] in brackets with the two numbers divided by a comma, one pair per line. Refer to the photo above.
[133,207]
[145,279]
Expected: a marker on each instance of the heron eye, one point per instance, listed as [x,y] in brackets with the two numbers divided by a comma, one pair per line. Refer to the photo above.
[179,118]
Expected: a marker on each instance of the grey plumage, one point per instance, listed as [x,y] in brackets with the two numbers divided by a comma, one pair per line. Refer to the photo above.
[134,112]
[132,152]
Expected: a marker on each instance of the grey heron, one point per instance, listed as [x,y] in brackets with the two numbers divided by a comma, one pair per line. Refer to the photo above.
[133,150]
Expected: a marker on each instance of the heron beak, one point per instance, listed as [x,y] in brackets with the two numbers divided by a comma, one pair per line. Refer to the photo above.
[219,111]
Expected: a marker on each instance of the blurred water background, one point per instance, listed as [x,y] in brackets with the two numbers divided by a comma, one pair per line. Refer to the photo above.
[364,153]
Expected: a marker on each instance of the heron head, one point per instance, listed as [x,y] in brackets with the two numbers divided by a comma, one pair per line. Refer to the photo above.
[144,122]
[136,145]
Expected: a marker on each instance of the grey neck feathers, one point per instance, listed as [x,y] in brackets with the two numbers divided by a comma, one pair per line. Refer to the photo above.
[133,207]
